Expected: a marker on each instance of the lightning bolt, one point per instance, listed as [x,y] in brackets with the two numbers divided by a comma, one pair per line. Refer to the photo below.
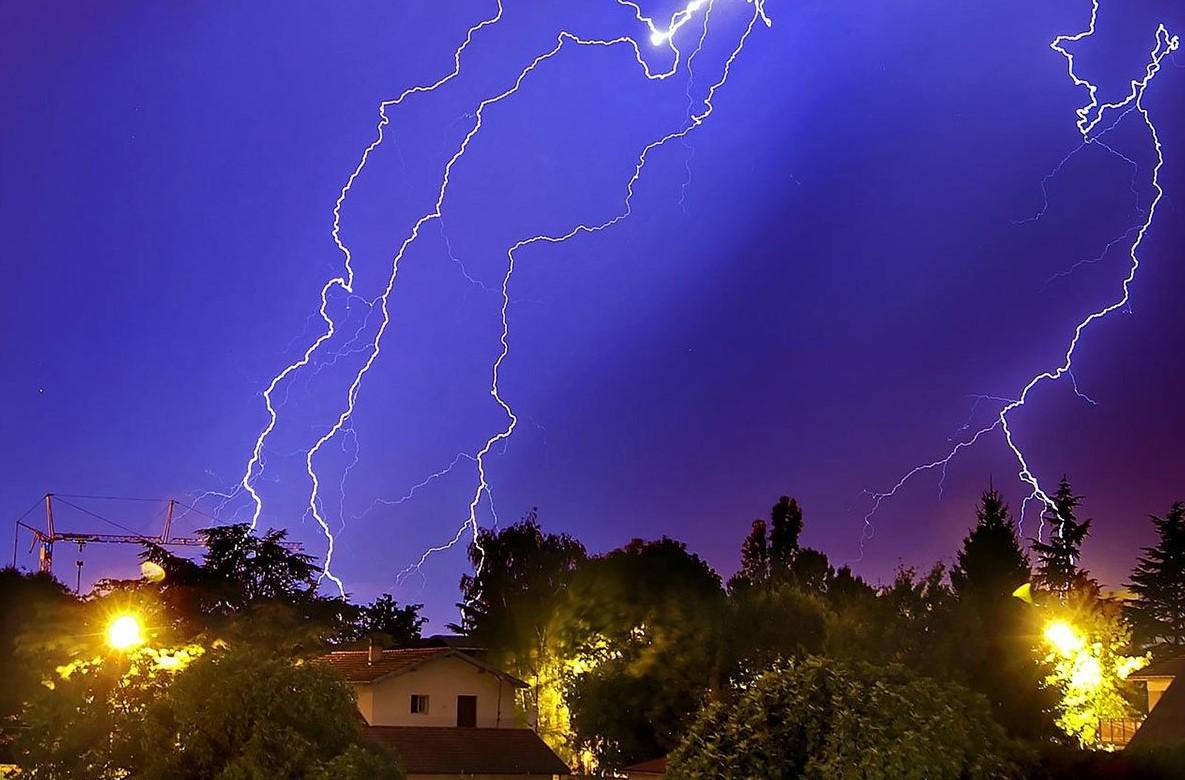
[1089,117]
[659,37]
[344,282]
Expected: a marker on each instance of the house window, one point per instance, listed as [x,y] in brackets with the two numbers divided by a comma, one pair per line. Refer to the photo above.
[419,704]
[466,711]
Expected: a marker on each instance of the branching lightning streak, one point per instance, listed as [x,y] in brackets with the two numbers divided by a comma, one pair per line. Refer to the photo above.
[703,36]
[1165,45]
[345,283]
[695,120]
[1089,116]
[416,487]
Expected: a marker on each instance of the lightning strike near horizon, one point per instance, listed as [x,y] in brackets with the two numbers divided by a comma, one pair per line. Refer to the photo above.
[1089,117]
[345,283]
[659,36]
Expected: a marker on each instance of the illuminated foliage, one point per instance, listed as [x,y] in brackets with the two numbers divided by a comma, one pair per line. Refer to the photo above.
[188,713]
[818,718]
[1085,641]
[509,607]
[645,620]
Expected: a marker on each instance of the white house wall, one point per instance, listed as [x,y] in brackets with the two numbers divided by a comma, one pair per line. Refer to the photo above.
[387,702]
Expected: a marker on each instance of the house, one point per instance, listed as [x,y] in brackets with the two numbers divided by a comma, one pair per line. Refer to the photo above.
[1165,724]
[447,713]
[1158,675]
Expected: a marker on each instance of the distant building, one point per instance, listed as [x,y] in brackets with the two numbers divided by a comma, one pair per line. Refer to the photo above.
[447,713]
[1159,675]
[1165,724]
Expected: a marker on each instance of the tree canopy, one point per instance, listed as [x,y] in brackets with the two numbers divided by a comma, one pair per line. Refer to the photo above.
[190,713]
[820,718]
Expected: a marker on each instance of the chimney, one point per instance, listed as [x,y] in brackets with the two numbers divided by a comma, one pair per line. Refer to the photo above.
[372,652]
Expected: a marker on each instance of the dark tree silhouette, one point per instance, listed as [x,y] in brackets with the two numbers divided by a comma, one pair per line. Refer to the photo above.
[508,605]
[999,664]
[1158,615]
[784,529]
[26,600]
[769,551]
[1057,560]
[754,568]
[250,585]
[990,564]
[386,623]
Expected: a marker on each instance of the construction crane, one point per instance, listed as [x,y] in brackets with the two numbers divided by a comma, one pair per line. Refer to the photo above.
[50,535]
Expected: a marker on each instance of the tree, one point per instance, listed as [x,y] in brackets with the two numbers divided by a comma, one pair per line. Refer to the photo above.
[763,625]
[768,552]
[1057,567]
[754,558]
[25,600]
[1158,613]
[509,604]
[248,588]
[640,629]
[195,714]
[817,718]
[1086,644]
[397,626]
[784,529]
[812,571]
[998,661]
[990,565]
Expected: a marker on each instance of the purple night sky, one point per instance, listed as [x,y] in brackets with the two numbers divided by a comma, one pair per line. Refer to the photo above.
[812,289]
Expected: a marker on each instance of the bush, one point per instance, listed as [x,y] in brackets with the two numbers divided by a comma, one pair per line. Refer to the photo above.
[227,715]
[818,718]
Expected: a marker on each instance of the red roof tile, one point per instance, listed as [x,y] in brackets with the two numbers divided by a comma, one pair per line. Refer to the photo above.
[357,666]
[456,751]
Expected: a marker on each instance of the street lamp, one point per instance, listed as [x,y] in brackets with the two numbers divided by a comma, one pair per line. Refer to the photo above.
[124,632]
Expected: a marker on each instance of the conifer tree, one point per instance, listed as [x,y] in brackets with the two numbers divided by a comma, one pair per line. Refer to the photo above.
[990,564]
[1057,560]
[1158,615]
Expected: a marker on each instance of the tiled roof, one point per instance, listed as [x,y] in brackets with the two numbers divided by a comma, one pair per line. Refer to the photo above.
[1172,666]
[456,751]
[1165,725]
[357,666]
[655,766]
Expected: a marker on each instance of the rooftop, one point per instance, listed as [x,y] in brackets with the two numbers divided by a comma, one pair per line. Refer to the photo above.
[358,666]
[1165,725]
[460,751]
[1170,666]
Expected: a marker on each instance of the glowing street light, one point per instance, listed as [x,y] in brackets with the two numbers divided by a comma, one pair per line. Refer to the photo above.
[124,632]
[1063,638]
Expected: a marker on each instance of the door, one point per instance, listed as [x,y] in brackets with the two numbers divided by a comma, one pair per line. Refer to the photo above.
[466,711]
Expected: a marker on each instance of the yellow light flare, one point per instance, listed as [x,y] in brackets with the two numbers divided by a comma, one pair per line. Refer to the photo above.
[1063,638]
[124,632]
